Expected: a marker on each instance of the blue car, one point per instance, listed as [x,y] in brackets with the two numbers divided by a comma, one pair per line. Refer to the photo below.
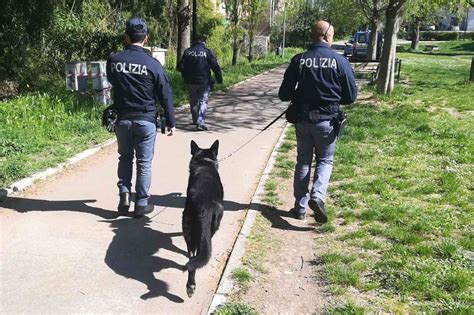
[361,42]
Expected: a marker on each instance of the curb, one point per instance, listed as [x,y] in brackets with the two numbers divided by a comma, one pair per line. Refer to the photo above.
[24,183]
[226,283]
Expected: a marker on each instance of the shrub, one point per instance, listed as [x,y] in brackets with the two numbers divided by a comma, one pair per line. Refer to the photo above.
[433,35]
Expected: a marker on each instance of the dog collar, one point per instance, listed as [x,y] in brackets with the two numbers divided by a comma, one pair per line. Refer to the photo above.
[209,160]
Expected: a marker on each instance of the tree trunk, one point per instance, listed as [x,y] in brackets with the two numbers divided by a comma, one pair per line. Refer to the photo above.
[184,31]
[235,51]
[385,81]
[415,36]
[471,78]
[251,37]
[372,46]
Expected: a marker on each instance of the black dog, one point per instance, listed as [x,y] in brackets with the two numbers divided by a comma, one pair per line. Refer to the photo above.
[203,209]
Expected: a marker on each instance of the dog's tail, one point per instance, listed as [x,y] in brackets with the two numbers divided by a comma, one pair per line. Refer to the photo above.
[204,249]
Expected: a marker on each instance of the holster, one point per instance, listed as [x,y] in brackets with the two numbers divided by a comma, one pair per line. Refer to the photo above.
[340,123]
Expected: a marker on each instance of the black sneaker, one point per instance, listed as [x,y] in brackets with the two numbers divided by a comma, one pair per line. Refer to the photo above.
[124,203]
[140,211]
[201,128]
[297,215]
[317,205]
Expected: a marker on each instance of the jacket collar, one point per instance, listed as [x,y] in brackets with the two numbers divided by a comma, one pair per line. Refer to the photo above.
[134,48]
[319,44]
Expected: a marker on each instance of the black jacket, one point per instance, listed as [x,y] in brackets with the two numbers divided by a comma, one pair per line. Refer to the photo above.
[196,64]
[138,82]
[319,78]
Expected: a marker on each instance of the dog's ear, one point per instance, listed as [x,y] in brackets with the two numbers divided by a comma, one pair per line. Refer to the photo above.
[215,147]
[194,147]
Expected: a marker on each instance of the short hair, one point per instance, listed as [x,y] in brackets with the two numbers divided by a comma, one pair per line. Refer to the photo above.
[136,37]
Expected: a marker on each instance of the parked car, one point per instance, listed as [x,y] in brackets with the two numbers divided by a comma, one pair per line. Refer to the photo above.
[360,44]
[348,47]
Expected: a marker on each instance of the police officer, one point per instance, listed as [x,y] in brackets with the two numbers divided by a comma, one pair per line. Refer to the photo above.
[138,82]
[195,66]
[316,81]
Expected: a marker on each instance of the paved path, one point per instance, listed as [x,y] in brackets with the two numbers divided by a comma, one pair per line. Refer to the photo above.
[63,250]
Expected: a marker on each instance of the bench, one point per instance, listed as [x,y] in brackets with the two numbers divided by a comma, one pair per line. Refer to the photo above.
[369,67]
[372,68]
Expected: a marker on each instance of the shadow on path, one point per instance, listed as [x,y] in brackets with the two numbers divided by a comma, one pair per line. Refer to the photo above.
[132,251]
[228,110]
[275,216]
[24,205]
[132,254]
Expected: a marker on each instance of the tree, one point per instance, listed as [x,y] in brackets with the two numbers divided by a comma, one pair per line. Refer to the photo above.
[184,32]
[234,12]
[343,15]
[393,17]
[254,10]
[419,11]
[373,11]
[300,16]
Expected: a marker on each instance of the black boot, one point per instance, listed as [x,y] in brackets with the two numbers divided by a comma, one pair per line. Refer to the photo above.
[317,205]
[124,203]
[140,211]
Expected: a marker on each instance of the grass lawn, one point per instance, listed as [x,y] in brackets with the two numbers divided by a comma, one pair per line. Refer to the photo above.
[400,237]
[41,130]
[453,47]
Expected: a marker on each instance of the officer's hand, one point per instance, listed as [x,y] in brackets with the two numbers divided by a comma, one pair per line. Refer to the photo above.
[171,131]
[110,125]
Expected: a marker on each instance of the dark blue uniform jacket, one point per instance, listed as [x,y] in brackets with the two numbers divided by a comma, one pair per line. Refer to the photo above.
[138,82]
[196,64]
[319,79]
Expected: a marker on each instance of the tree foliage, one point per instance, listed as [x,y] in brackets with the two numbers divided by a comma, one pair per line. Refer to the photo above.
[254,10]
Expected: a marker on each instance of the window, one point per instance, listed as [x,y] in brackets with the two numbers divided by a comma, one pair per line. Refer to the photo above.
[362,38]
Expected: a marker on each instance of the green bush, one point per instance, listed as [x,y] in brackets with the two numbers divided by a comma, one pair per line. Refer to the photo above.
[467,35]
[434,35]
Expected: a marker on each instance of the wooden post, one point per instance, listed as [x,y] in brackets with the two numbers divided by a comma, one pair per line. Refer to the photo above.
[471,78]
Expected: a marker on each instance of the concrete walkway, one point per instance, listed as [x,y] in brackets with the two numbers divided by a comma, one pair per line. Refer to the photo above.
[63,249]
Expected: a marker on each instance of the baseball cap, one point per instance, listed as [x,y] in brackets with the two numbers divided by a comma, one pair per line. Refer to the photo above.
[135,25]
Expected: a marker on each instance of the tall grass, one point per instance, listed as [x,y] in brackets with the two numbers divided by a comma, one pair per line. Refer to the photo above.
[37,131]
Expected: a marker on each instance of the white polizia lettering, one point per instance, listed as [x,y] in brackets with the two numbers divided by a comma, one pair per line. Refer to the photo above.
[129,68]
[321,62]
[196,53]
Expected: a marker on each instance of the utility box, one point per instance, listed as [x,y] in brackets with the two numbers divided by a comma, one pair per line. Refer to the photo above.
[158,53]
[99,75]
[76,76]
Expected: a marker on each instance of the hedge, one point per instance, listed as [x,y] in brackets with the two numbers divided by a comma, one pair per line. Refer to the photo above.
[439,35]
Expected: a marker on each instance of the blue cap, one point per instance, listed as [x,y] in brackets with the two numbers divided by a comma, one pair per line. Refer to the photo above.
[135,25]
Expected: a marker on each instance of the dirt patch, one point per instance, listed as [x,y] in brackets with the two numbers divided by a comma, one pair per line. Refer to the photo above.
[452,111]
[287,279]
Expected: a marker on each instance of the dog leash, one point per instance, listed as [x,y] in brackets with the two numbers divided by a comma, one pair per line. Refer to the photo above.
[251,139]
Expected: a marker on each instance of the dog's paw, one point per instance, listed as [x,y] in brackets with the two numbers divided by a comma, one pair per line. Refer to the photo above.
[190,289]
